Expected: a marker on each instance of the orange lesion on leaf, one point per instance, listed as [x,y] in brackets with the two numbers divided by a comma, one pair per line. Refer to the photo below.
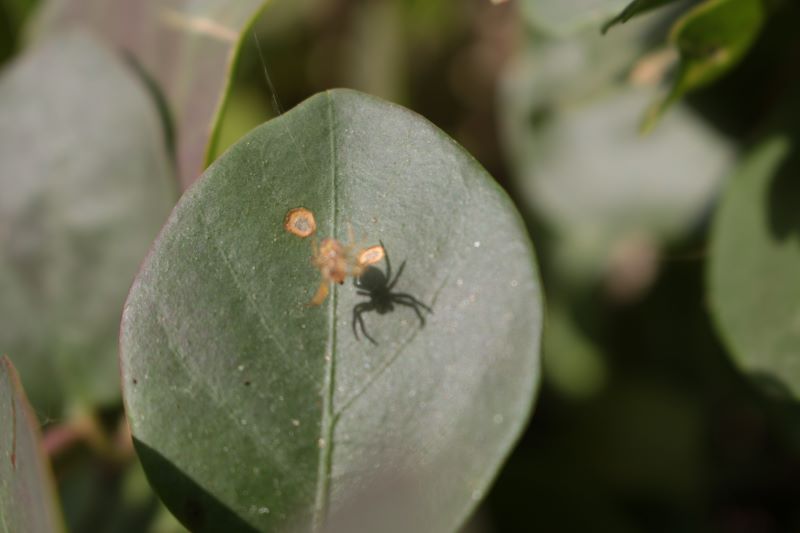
[334,259]
[300,221]
[370,256]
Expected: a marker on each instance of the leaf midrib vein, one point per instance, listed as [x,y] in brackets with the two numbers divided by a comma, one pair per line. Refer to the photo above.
[325,443]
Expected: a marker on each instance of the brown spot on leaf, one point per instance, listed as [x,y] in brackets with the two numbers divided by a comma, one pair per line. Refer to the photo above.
[300,221]
[371,255]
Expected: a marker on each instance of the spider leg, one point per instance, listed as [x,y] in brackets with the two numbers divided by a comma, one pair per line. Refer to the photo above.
[415,308]
[397,276]
[409,298]
[386,258]
[356,316]
[359,310]
[363,293]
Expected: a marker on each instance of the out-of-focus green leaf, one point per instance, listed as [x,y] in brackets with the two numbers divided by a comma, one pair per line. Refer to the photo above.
[571,128]
[99,497]
[711,39]
[572,364]
[244,110]
[86,184]
[561,17]
[27,495]
[13,14]
[376,52]
[637,7]
[253,410]
[188,49]
[755,260]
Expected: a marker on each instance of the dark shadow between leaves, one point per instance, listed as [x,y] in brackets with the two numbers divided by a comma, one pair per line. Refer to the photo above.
[189,502]
[772,386]
[378,286]
[784,198]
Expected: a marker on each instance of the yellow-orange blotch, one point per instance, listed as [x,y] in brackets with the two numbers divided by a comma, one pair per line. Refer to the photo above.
[300,221]
[370,256]
[331,260]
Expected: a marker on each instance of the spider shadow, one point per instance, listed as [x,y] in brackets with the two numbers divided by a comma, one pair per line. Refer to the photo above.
[378,286]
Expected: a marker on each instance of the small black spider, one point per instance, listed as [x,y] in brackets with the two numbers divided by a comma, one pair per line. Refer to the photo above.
[378,287]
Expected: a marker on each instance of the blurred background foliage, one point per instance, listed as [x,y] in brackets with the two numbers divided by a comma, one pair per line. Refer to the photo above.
[644,422]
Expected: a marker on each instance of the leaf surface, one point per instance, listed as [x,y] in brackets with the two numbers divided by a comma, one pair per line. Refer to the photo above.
[253,410]
[27,492]
[755,258]
[711,39]
[86,184]
[186,47]
[571,127]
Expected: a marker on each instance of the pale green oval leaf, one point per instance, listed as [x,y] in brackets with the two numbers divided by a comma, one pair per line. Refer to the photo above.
[86,183]
[252,409]
[187,47]
[27,493]
[579,161]
[755,260]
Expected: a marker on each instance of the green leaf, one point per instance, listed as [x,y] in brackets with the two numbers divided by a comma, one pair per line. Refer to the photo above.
[577,157]
[573,363]
[27,493]
[252,409]
[637,7]
[563,17]
[86,185]
[711,39]
[755,259]
[187,47]
[13,15]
